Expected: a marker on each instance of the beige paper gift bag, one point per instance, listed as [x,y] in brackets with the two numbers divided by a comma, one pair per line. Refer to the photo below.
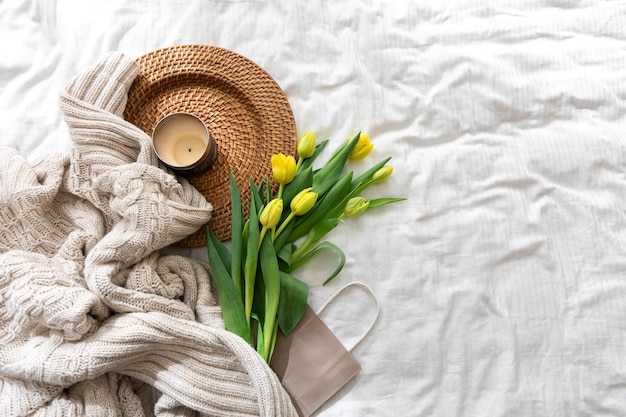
[312,363]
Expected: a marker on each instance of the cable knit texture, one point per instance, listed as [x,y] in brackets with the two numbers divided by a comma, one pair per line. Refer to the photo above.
[94,321]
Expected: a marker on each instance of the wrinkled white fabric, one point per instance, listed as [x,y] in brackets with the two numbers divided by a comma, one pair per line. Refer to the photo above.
[501,279]
[94,321]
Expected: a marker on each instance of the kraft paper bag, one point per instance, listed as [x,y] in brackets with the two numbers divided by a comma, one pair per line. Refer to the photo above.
[312,363]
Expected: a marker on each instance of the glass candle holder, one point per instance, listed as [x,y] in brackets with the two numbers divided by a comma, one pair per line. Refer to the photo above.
[183,142]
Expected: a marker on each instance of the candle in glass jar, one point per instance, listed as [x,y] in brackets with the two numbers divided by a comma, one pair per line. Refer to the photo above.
[182,141]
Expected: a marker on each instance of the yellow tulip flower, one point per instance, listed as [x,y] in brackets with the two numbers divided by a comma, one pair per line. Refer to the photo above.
[306,145]
[362,148]
[382,174]
[356,206]
[270,216]
[300,205]
[283,168]
[303,202]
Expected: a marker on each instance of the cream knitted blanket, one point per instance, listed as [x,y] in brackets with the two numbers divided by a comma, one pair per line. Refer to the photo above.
[94,321]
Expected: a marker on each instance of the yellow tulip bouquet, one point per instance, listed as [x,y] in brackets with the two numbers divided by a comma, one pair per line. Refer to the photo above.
[258,293]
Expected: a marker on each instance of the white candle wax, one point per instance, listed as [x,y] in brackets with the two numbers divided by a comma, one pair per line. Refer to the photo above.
[181,140]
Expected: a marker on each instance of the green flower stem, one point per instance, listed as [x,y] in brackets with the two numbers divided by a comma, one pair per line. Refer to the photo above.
[303,248]
[280,241]
[262,235]
[283,225]
[281,187]
[316,233]
[271,279]
[302,180]
[273,342]
[252,254]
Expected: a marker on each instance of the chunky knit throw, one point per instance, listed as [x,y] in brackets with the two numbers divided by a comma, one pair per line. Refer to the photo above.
[94,321]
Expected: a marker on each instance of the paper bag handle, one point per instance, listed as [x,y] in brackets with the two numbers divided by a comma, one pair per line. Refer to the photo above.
[367,289]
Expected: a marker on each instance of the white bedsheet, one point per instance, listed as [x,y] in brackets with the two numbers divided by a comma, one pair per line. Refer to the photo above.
[502,278]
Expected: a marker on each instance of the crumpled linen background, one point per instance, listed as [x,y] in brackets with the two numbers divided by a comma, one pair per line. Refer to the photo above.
[501,279]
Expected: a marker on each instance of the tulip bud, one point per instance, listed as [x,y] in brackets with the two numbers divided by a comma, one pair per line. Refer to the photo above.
[283,168]
[382,174]
[306,145]
[271,213]
[362,148]
[303,202]
[356,206]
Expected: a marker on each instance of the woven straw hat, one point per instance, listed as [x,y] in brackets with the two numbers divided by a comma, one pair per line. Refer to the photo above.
[245,110]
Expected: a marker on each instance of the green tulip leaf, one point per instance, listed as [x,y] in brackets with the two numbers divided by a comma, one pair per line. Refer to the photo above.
[222,251]
[236,236]
[286,253]
[231,304]
[342,147]
[377,202]
[283,237]
[294,295]
[327,177]
[315,235]
[268,191]
[273,342]
[302,180]
[367,175]
[259,332]
[271,280]
[333,202]
[257,194]
[258,303]
[308,162]
[252,253]
[324,245]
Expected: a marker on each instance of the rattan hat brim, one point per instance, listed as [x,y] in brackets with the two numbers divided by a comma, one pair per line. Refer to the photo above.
[246,111]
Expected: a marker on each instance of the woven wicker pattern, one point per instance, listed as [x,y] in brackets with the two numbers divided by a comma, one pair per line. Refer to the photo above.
[245,110]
